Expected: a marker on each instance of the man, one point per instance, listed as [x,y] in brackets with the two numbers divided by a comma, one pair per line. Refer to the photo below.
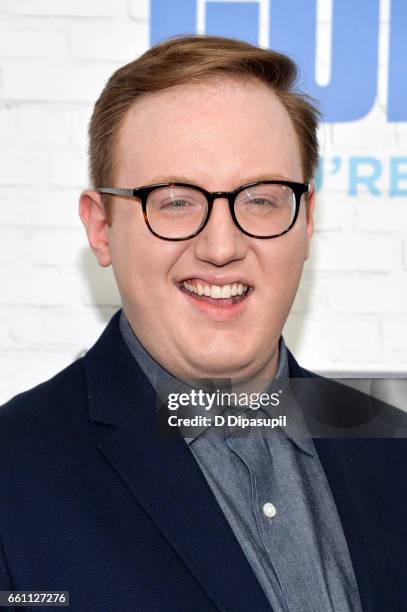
[202,157]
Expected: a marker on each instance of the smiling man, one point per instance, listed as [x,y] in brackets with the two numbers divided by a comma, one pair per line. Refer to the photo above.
[202,157]
[219,134]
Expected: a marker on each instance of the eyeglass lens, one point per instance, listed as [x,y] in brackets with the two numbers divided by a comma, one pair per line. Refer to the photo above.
[262,210]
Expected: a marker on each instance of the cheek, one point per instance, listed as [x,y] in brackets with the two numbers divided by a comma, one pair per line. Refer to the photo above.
[282,267]
[140,259]
[152,264]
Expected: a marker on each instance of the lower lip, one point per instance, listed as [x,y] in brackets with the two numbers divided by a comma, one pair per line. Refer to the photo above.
[223,309]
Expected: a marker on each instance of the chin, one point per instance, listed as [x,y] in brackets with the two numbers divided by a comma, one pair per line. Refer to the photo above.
[222,363]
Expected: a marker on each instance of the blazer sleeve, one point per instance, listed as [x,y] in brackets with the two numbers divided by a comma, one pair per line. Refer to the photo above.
[5,581]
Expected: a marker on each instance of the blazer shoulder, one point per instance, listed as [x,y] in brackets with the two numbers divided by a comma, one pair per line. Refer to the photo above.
[42,406]
[372,422]
[296,370]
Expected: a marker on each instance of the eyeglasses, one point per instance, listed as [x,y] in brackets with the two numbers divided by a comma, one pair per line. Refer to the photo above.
[179,211]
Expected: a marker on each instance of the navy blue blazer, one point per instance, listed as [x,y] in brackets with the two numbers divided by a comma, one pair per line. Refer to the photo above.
[93,502]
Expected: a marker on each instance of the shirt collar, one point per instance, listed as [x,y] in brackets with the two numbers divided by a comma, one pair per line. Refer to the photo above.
[160,378]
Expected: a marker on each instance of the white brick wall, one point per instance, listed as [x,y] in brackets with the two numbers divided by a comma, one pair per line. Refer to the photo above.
[62,8]
[55,56]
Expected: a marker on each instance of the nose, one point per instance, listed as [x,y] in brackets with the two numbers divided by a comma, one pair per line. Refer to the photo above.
[221,241]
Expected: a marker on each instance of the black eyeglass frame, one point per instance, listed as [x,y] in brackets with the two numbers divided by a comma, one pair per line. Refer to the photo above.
[141,193]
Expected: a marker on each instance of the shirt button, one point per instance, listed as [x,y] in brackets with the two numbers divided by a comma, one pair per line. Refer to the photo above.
[269,510]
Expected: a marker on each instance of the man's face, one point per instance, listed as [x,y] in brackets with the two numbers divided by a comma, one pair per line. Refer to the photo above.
[217,135]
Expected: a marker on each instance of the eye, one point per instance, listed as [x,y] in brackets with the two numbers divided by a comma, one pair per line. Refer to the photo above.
[267,202]
[261,202]
[175,204]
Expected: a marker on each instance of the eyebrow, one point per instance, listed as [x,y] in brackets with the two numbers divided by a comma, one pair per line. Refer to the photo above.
[251,179]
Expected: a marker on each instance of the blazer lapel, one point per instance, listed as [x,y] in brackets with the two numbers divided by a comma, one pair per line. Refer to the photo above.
[164,477]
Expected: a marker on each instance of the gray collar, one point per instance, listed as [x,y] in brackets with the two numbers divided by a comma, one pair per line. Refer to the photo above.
[162,379]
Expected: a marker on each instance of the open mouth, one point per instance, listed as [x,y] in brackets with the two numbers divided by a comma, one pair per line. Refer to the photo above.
[218,295]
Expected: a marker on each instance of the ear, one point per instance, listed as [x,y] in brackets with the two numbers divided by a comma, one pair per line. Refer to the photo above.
[310,216]
[93,216]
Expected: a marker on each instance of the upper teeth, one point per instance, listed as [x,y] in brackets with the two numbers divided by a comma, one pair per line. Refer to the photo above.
[216,291]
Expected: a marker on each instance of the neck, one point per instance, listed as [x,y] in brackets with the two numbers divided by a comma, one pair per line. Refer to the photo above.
[247,380]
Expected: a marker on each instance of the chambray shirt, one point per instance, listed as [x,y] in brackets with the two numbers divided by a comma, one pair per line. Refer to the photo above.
[299,555]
